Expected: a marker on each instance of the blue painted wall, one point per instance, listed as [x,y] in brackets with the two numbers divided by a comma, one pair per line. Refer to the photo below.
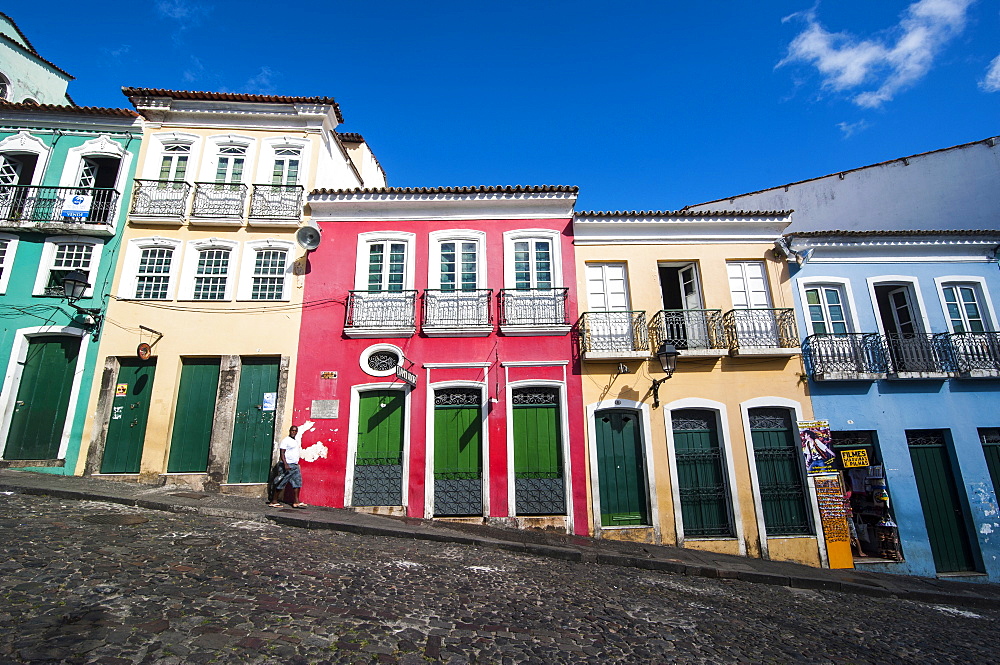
[959,406]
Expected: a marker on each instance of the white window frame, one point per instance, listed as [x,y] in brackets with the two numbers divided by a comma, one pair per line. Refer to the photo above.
[511,237]
[209,167]
[49,249]
[23,142]
[457,236]
[156,151]
[743,275]
[189,268]
[130,266]
[244,289]
[268,154]
[846,292]
[7,262]
[913,284]
[982,293]
[367,239]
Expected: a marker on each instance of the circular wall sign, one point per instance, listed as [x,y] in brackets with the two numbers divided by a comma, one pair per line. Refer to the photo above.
[143,351]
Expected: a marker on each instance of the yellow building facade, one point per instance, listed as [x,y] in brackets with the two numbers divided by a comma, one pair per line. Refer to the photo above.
[202,324]
[704,456]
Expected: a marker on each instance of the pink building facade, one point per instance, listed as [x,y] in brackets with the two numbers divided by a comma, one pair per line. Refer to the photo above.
[436,358]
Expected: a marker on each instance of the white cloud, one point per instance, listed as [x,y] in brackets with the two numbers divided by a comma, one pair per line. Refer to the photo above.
[991,83]
[851,128]
[262,83]
[877,68]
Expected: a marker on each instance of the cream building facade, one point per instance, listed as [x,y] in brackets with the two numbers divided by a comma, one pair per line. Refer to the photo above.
[203,320]
[709,457]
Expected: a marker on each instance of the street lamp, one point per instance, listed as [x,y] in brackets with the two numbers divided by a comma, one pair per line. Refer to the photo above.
[75,284]
[667,355]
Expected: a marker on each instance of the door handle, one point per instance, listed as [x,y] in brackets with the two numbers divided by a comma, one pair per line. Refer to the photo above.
[134,423]
[20,403]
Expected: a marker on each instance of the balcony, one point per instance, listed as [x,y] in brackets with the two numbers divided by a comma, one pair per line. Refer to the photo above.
[696,333]
[846,357]
[614,335]
[381,314]
[87,211]
[457,313]
[279,205]
[160,200]
[761,332]
[974,355]
[917,356]
[533,311]
[219,203]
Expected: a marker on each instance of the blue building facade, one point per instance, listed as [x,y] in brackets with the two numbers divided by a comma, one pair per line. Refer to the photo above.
[902,353]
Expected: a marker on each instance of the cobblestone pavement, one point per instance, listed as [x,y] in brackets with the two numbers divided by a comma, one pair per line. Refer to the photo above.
[191,589]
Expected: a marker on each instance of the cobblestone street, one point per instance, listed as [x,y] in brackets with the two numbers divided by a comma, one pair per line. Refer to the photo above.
[192,589]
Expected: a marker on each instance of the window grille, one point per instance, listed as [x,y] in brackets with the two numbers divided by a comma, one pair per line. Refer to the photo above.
[780,472]
[383,361]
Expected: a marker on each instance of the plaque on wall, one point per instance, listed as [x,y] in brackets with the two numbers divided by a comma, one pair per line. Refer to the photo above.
[325,408]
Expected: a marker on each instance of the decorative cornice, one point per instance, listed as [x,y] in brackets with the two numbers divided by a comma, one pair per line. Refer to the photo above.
[658,215]
[679,227]
[153,97]
[480,189]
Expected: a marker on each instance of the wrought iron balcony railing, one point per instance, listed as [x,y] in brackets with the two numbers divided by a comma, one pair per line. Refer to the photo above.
[760,329]
[974,352]
[688,329]
[160,198]
[917,353]
[846,355]
[614,332]
[533,307]
[276,202]
[381,309]
[30,204]
[219,200]
[463,308]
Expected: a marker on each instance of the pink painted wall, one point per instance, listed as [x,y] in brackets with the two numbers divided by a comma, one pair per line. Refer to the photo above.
[323,347]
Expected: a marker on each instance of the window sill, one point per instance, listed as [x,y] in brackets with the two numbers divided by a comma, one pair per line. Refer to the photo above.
[766,351]
[536,330]
[457,331]
[274,222]
[374,333]
[165,220]
[215,221]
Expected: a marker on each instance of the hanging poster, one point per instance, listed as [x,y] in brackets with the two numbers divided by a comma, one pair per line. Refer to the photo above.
[833,517]
[817,450]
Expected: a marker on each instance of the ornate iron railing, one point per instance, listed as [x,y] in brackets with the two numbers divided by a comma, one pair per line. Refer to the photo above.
[688,329]
[219,199]
[857,353]
[68,205]
[160,198]
[533,307]
[381,309]
[973,351]
[916,352]
[276,202]
[613,332]
[466,308]
[761,328]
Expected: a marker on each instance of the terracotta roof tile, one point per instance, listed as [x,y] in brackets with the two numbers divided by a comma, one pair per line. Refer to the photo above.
[481,189]
[19,32]
[900,233]
[78,110]
[596,214]
[230,97]
[350,137]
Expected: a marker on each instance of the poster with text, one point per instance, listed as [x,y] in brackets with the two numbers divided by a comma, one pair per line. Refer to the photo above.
[817,449]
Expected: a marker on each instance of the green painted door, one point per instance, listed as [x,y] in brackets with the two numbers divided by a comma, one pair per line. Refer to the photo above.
[621,469]
[129,411]
[944,514]
[378,463]
[253,430]
[39,416]
[193,416]
[780,472]
[701,474]
[538,462]
[458,452]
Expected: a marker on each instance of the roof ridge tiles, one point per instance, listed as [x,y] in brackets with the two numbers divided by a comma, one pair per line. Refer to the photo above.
[35,54]
[475,189]
[59,108]
[683,213]
[205,95]
[899,232]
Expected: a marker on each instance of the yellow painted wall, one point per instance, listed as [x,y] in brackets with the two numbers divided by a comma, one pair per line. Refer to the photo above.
[730,381]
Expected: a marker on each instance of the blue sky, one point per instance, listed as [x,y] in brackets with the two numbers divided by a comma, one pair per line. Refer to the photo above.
[644,105]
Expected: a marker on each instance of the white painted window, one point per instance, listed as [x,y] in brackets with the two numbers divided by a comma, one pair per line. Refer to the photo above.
[62,255]
[174,164]
[748,284]
[386,266]
[149,269]
[8,248]
[266,270]
[286,166]
[229,166]
[209,270]
[533,264]
[607,287]
[827,309]
[964,305]
[456,260]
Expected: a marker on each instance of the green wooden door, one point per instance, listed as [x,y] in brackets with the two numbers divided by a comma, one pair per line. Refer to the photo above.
[944,514]
[701,474]
[780,472]
[458,452]
[378,463]
[621,469]
[990,438]
[129,411]
[538,461]
[39,416]
[253,430]
[196,399]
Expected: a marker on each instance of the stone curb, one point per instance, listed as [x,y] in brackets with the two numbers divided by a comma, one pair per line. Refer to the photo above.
[551,551]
